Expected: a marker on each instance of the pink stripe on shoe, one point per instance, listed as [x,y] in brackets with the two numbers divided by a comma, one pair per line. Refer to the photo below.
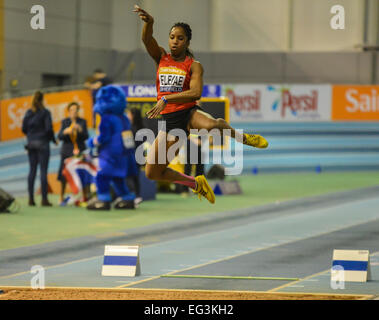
[189,183]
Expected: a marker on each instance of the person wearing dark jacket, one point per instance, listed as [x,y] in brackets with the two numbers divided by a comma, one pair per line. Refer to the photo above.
[73,134]
[38,128]
[136,122]
[98,80]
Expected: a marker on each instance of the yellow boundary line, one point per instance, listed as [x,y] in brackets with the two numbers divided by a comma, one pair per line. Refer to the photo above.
[274,290]
[362,296]
[198,266]
[50,267]
[310,277]
[297,281]
[218,99]
[248,252]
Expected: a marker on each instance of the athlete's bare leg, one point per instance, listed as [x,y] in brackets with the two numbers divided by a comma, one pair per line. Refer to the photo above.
[202,120]
[160,171]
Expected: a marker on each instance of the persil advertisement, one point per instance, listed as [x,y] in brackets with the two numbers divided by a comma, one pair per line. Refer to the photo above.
[248,103]
[278,102]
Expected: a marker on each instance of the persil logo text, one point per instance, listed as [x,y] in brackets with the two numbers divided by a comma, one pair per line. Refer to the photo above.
[296,105]
[247,102]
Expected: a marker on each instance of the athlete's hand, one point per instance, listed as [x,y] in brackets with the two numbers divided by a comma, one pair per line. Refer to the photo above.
[143,14]
[154,113]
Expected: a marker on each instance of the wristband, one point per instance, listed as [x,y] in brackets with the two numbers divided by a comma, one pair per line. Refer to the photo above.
[164,99]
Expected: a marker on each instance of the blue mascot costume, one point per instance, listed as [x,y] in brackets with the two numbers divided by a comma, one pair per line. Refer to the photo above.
[114,149]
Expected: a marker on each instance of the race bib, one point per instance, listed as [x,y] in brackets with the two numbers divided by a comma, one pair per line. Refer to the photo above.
[128,139]
[171,79]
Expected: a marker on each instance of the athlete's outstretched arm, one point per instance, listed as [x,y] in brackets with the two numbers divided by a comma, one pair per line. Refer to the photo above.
[152,47]
[191,95]
[195,86]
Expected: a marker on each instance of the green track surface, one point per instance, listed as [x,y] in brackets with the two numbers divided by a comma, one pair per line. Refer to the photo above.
[35,225]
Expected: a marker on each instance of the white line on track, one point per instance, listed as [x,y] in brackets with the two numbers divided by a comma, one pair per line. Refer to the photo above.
[208,261]
[265,244]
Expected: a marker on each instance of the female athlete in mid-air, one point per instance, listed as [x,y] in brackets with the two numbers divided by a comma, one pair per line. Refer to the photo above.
[179,85]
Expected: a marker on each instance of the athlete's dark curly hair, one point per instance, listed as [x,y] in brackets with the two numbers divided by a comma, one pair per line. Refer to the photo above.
[188,32]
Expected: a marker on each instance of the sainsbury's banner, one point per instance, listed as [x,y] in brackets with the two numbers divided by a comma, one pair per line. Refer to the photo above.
[278,102]
[355,103]
[12,111]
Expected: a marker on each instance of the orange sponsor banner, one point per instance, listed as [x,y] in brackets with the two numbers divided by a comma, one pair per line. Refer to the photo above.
[13,111]
[355,103]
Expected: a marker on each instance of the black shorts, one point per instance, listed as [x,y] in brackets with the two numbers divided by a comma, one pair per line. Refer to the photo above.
[179,119]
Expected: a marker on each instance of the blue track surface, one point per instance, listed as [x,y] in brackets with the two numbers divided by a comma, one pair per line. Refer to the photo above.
[296,241]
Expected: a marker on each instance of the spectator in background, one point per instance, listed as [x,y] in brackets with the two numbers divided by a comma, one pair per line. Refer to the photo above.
[73,134]
[89,81]
[98,80]
[38,128]
[136,121]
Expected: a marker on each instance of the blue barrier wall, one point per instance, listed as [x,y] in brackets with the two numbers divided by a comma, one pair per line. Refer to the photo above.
[314,146]
[294,147]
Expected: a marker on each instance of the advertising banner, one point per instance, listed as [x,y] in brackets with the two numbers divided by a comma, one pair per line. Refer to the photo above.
[149,91]
[278,102]
[12,111]
[355,103]
[248,103]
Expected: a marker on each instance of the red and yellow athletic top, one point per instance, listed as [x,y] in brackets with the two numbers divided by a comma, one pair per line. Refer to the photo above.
[173,77]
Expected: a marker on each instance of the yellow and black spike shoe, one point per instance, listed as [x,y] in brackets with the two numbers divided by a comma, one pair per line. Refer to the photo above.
[124,204]
[96,204]
[255,140]
[204,189]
